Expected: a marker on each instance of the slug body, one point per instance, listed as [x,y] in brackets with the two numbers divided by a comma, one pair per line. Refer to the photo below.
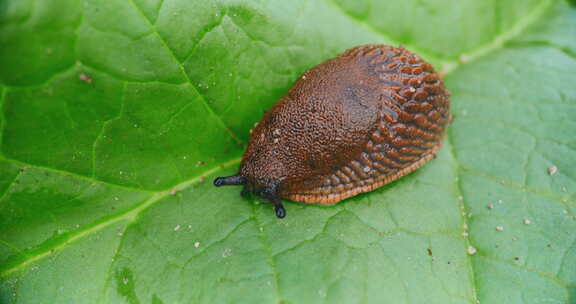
[349,125]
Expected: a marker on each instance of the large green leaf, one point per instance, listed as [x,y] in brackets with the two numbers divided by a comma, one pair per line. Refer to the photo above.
[117,114]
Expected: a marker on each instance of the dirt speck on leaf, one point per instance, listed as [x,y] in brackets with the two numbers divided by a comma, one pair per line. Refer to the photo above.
[552,170]
[227,252]
[86,78]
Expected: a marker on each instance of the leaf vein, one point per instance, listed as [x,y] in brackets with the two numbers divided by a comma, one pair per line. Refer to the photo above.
[217,118]
[103,129]
[462,202]
[268,252]
[130,214]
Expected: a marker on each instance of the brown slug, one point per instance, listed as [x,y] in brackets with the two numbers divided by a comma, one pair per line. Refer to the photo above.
[349,125]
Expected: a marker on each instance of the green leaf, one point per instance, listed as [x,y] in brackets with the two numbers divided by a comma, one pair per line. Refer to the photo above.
[116,115]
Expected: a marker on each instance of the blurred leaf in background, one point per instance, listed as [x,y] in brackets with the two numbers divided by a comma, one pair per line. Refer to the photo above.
[116,115]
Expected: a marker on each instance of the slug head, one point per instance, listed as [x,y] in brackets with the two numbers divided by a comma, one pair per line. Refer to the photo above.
[267,189]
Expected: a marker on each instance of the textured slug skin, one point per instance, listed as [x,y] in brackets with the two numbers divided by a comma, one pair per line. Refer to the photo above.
[349,125]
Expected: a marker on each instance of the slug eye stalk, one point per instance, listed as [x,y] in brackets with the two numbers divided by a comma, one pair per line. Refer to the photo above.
[234,180]
[269,193]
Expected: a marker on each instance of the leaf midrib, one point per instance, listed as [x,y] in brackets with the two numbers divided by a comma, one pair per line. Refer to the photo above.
[129,215]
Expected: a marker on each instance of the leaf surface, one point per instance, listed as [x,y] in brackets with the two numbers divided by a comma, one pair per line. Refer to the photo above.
[118,114]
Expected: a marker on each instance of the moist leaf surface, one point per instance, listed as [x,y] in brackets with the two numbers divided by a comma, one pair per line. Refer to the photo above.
[116,116]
